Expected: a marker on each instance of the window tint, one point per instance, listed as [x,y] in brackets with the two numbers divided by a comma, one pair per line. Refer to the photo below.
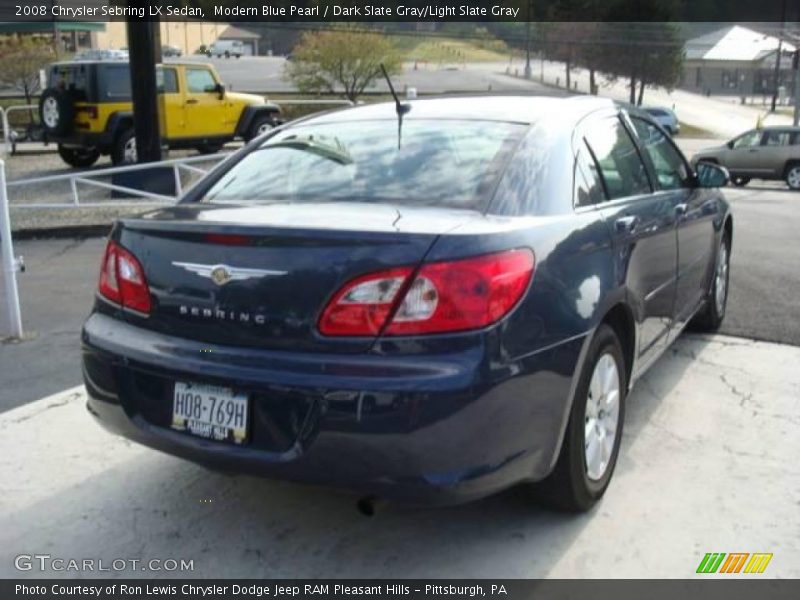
[200,80]
[588,188]
[751,138]
[670,169]
[117,81]
[777,138]
[621,168]
[447,163]
[166,81]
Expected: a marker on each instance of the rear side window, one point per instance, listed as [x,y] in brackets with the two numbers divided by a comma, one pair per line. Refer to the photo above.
[117,82]
[443,163]
[618,161]
[777,138]
[670,168]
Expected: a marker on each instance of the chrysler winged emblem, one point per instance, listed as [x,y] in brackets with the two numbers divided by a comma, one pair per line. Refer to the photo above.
[222,274]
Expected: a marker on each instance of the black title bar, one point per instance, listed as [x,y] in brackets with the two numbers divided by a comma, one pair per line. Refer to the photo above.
[414,11]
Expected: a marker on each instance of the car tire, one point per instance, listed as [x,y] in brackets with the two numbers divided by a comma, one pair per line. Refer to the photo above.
[793,176]
[260,126]
[209,148]
[56,111]
[578,481]
[79,157]
[124,149]
[740,181]
[711,316]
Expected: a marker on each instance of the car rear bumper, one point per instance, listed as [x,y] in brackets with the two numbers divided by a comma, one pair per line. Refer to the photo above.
[421,429]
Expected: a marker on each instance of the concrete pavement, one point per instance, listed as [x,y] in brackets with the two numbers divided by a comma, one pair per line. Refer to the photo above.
[708,464]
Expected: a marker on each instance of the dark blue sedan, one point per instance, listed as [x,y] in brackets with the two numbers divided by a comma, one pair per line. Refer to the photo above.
[426,309]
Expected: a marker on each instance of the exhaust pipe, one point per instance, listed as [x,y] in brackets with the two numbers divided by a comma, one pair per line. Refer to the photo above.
[367,505]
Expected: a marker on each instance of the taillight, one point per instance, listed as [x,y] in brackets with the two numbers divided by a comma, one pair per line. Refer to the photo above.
[363,304]
[122,279]
[445,296]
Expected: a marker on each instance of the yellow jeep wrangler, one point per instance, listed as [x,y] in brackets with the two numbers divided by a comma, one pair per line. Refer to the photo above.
[87,110]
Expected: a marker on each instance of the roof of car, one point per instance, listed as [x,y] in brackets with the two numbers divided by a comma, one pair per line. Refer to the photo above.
[112,61]
[518,109]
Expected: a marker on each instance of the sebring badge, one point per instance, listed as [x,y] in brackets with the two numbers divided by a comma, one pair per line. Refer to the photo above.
[222,274]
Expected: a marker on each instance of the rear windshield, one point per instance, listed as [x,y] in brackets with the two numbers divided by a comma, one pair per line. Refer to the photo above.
[447,163]
[74,78]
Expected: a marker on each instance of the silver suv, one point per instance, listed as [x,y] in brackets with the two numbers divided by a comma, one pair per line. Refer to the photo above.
[768,153]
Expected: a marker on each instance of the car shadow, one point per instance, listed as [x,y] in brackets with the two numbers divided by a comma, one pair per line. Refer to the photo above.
[151,505]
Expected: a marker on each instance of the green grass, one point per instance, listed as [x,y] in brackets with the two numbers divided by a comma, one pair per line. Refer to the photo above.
[446,50]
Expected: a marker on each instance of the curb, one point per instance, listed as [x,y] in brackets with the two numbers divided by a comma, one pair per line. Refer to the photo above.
[71,231]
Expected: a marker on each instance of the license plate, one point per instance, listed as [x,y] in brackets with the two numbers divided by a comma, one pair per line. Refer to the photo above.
[208,411]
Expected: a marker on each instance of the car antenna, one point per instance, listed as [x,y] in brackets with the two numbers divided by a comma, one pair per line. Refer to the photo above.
[399,107]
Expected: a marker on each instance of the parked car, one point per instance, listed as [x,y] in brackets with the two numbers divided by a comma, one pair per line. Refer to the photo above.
[664,117]
[426,311]
[171,51]
[87,110]
[768,153]
[226,48]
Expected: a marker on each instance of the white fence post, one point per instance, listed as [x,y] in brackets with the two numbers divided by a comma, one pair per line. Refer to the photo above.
[10,306]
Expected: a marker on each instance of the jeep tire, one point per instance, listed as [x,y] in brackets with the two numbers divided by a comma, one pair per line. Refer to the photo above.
[56,111]
[123,151]
[79,157]
[260,125]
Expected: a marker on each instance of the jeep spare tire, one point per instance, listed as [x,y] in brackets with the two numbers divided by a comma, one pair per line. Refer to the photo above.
[56,111]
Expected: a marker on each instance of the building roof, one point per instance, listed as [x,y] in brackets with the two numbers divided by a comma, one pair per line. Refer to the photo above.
[734,43]
[50,26]
[237,33]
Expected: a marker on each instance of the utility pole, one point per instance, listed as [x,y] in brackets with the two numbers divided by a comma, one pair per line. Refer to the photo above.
[144,44]
[777,75]
[796,66]
[528,42]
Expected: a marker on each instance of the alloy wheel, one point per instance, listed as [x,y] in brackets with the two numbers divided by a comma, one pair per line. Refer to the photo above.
[721,279]
[264,128]
[129,151]
[602,416]
[793,178]
[50,112]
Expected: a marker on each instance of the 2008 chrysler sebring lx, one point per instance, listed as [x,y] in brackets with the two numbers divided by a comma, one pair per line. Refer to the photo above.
[424,305]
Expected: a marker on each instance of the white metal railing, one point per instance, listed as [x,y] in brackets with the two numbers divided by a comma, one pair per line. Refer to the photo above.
[10,314]
[6,127]
[11,321]
[88,178]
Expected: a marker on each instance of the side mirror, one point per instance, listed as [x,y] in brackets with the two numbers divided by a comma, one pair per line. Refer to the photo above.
[218,89]
[710,175]
[729,144]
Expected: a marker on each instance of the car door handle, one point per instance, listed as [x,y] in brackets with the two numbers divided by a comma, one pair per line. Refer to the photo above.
[681,209]
[191,101]
[753,150]
[626,224]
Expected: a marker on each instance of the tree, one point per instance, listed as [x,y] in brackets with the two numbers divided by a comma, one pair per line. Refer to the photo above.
[347,61]
[647,48]
[21,59]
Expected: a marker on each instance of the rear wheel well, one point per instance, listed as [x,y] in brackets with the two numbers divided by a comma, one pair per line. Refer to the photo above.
[620,319]
[789,164]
